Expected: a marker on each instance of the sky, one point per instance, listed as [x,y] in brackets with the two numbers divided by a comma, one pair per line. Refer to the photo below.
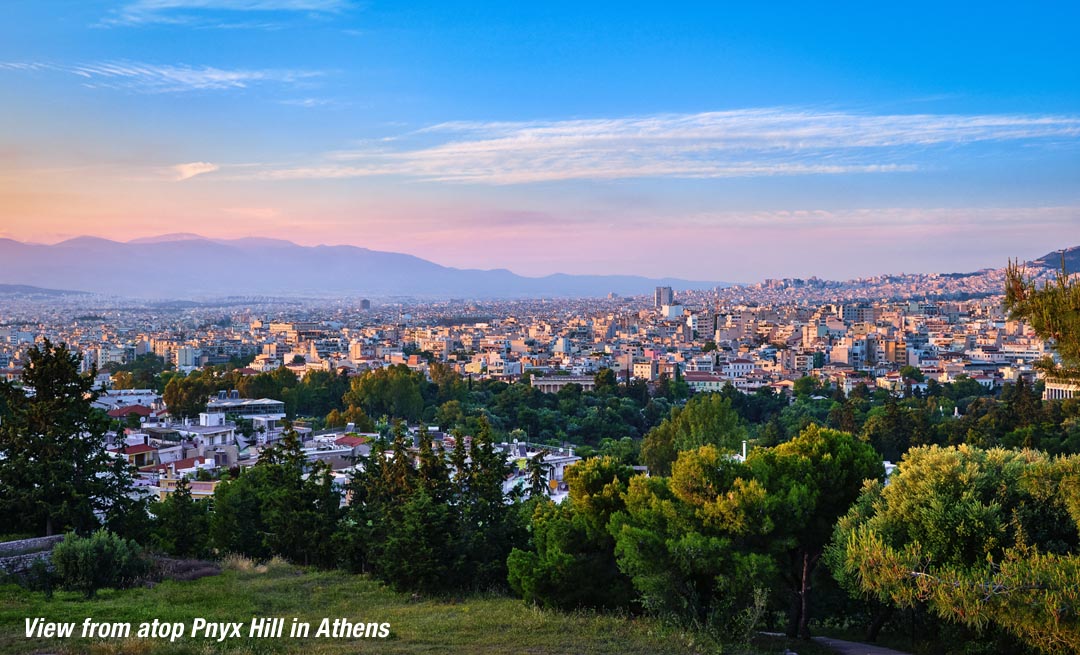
[708,141]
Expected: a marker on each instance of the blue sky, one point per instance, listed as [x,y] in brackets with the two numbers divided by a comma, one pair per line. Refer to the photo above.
[703,140]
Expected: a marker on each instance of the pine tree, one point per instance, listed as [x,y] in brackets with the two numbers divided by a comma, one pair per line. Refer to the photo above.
[433,475]
[181,523]
[1053,311]
[489,528]
[55,472]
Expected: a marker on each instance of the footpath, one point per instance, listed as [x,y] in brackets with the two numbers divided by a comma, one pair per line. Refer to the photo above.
[855,648]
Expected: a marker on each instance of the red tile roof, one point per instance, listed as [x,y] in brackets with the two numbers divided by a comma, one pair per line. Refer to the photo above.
[121,412]
[351,442]
[135,450]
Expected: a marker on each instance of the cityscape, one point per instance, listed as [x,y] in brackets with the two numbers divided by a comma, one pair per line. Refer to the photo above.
[354,326]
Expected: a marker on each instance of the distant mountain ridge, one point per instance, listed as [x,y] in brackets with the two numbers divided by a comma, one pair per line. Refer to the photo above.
[1053,259]
[27,290]
[187,265]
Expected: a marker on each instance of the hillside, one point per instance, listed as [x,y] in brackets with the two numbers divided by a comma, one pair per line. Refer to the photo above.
[490,624]
[1053,259]
[189,266]
[20,290]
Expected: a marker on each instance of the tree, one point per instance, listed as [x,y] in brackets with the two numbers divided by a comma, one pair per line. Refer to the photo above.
[980,537]
[537,470]
[394,391]
[842,417]
[890,431]
[55,473]
[571,562]
[806,386]
[695,545]
[300,512]
[706,419]
[489,528]
[811,481]
[912,373]
[420,551]
[605,381]
[334,420]
[122,380]
[1052,311]
[186,396]
[281,506]
[181,523]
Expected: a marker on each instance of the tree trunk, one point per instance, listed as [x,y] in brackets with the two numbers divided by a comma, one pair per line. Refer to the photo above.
[794,617]
[48,526]
[795,608]
[808,563]
[881,615]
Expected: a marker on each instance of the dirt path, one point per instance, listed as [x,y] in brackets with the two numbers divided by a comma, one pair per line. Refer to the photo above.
[855,648]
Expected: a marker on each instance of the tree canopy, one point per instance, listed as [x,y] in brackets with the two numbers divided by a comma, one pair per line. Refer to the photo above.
[982,537]
[55,472]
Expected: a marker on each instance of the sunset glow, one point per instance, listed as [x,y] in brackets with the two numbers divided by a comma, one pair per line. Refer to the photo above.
[552,138]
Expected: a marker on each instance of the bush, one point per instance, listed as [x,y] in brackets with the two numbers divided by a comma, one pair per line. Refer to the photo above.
[40,576]
[102,560]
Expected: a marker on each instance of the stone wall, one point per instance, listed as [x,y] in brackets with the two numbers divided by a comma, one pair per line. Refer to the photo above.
[17,556]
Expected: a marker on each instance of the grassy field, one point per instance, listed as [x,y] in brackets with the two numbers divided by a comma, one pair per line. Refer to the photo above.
[490,625]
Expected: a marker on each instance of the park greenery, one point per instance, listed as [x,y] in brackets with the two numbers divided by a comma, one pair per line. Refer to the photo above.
[977,531]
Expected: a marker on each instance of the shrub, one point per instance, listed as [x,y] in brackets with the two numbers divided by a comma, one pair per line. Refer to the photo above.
[102,560]
[40,576]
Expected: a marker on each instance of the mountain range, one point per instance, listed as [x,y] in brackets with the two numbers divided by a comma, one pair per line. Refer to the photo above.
[1070,256]
[189,266]
[23,290]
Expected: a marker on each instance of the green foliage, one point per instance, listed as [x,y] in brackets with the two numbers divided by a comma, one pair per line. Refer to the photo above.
[55,473]
[419,550]
[605,381]
[186,396]
[1052,311]
[982,537]
[706,419]
[102,560]
[697,544]
[894,429]
[440,525]
[181,524]
[912,373]
[394,391]
[807,385]
[143,372]
[572,560]
[282,506]
[811,481]
[693,544]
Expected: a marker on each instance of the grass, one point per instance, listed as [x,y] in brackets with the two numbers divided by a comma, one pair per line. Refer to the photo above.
[484,624]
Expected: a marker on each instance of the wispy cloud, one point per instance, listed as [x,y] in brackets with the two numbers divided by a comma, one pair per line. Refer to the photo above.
[742,143]
[158,78]
[217,13]
[191,169]
[309,103]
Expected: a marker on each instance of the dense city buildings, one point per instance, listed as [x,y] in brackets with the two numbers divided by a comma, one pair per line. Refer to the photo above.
[894,333]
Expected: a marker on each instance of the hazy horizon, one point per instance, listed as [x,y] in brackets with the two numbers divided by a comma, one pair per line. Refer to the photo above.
[237,241]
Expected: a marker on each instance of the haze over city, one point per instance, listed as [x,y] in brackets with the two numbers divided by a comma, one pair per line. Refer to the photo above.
[707,143]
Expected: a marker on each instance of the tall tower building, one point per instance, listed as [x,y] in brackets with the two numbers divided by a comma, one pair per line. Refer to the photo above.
[663,296]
